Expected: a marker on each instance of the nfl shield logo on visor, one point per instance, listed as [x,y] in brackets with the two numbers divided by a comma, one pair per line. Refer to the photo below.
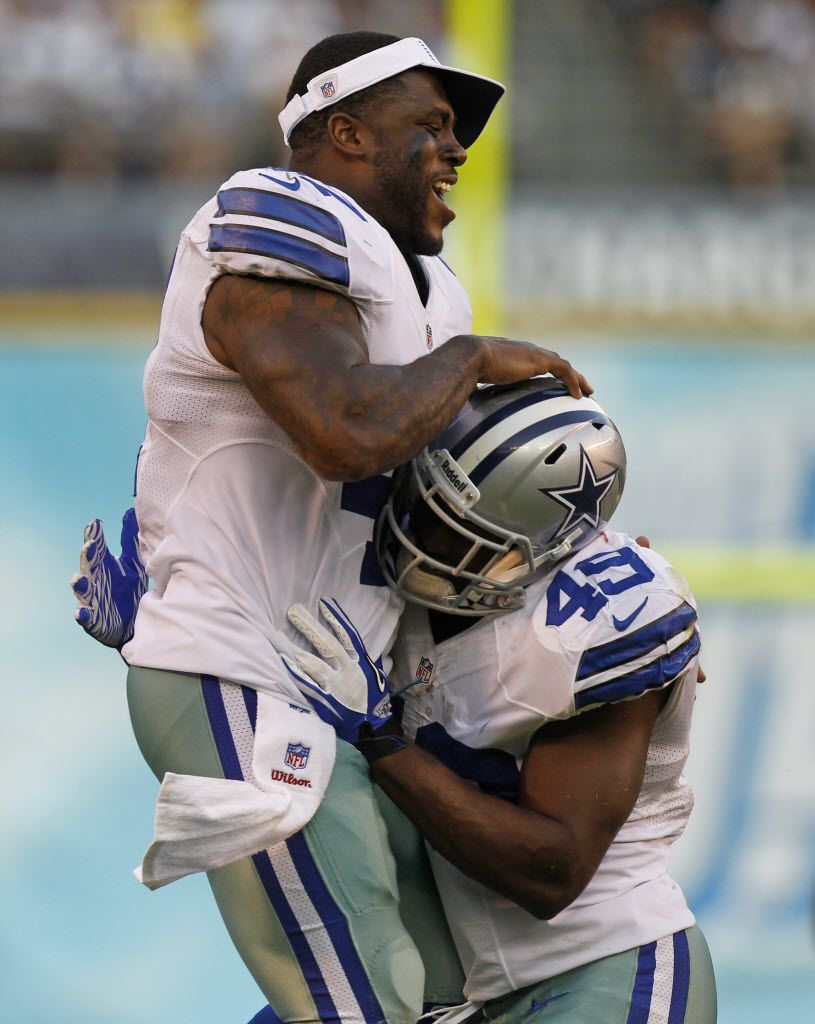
[297,756]
[328,89]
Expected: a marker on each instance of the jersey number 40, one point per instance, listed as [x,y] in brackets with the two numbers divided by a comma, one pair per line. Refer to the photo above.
[566,597]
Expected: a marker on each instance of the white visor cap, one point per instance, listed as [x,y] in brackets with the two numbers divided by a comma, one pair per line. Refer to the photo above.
[472,97]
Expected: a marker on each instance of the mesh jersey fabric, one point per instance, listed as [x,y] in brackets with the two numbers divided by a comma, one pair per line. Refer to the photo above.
[235,526]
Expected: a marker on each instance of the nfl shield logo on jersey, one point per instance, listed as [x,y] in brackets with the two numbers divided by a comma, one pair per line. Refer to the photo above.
[425,670]
[328,89]
[297,756]
[428,331]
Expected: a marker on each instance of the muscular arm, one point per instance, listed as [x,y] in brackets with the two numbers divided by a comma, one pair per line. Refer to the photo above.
[579,782]
[301,352]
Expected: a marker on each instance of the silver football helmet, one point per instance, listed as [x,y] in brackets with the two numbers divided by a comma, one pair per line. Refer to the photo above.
[524,475]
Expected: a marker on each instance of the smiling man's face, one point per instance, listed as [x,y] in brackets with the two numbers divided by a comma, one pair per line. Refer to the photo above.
[415,163]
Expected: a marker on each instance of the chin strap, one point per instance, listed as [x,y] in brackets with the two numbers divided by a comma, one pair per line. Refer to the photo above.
[504,569]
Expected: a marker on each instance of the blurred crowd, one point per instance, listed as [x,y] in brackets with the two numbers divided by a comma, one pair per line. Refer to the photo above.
[744,70]
[167,87]
[192,87]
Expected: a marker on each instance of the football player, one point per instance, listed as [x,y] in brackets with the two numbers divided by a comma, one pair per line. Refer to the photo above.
[310,334]
[551,667]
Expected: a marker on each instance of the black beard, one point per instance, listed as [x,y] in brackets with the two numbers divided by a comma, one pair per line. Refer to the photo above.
[405,191]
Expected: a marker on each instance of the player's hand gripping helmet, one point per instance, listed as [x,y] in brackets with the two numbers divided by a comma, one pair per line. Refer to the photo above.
[522,476]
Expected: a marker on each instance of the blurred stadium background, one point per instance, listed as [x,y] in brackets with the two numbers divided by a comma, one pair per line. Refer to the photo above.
[644,204]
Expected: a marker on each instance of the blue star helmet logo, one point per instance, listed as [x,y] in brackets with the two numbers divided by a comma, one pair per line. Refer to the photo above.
[583,500]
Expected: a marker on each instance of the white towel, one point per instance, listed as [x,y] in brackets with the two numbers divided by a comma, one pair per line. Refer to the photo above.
[203,823]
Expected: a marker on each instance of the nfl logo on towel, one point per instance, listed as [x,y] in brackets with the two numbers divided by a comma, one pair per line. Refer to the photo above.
[297,755]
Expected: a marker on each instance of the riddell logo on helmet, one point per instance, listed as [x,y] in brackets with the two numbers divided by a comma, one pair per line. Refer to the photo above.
[453,476]
[289,779]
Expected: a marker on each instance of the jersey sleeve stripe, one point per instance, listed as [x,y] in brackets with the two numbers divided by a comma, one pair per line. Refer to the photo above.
[634,645]
[286,209]
[279,246]
[653,676]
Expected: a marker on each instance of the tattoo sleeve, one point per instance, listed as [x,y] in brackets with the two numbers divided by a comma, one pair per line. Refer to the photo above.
[301,352]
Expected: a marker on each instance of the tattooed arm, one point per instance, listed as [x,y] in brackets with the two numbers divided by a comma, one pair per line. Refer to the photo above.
[301,352]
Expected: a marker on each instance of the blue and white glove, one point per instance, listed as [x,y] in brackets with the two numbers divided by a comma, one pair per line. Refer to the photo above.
[108,589]
[344,685]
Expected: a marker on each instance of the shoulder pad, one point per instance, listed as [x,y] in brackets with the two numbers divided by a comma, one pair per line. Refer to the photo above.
[575,646]
[644,636]
[621,664]
[276,223]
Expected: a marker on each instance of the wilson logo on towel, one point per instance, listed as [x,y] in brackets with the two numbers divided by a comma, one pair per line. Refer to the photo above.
[289,779]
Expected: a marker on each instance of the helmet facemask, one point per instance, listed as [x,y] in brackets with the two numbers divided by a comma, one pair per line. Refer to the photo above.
[435,549]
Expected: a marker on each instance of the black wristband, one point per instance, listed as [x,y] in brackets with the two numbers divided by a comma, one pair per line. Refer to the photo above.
[387,739]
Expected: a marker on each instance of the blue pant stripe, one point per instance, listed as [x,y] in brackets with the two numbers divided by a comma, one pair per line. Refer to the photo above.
[219,723]
[681,982]
[331,914]
[643,985]
[250,699]
[337,927]
[291,926]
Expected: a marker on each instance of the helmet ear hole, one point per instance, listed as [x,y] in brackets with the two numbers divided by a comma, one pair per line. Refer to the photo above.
[553,456]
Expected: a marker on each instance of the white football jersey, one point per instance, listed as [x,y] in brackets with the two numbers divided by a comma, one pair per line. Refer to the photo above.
[235,526]
[610,623]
